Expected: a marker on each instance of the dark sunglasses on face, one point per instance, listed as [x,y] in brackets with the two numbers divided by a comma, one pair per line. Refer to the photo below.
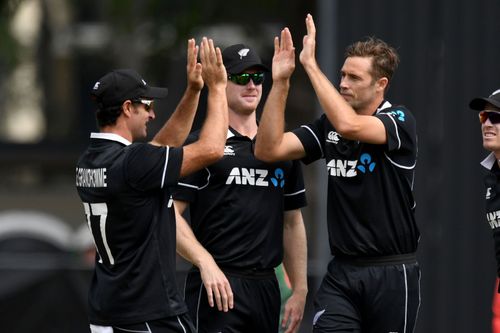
[148,104]
[493,116]
[244,78]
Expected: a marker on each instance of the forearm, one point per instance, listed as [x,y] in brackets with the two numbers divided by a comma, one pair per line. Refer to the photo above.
[178,126]
[295,253]
[214,131]
[188,246]
[338,111]
[272,125]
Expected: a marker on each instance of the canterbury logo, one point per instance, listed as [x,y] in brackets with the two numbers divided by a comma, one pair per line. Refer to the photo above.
[243,53]
[96,85]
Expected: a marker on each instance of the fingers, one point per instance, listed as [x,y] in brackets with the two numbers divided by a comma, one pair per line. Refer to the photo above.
[210,296]
[218,54]
[207,50]
[192,52]
[220,294]
[311,29]
[286,39]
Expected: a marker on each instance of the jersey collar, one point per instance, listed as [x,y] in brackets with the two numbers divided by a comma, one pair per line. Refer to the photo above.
[489,161]
[384,105]
[110,136]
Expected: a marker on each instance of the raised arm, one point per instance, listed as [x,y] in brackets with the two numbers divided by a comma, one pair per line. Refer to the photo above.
[341,115]
[216,284]
[210,145]
[178,126]
[272,142]
[295,263]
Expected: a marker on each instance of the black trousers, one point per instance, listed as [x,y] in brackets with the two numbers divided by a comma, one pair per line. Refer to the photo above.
[256,305]
[368,298]
[176,324]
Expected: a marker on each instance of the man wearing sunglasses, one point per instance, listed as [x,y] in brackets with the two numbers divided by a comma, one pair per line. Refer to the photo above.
[125,190]
[369,147]
[245,220]
[489,117]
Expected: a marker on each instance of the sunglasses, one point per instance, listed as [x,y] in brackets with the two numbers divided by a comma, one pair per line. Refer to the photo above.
[493,116]
[244,78]
[148,104]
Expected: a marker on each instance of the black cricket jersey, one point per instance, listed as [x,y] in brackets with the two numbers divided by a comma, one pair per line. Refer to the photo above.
[492,203]
[370,200]
[237,205]
[124,188]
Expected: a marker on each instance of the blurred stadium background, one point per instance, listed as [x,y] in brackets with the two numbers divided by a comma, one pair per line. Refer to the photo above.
[52,51]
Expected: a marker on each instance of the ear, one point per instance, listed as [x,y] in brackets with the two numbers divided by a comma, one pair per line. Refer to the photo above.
[382,83]
[127,108]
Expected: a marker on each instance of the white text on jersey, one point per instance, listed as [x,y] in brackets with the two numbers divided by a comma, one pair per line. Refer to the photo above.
[244,176]
[493,219]
[91,177]
[342,168]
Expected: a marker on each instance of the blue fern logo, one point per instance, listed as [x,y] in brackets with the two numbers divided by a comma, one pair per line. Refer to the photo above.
[400,115]
[279,178]
[366,163]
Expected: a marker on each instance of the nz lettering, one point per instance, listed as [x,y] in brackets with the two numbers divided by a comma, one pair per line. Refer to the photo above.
[91,177]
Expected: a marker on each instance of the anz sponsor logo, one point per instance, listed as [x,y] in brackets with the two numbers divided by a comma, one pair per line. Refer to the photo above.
[350,168]
[255,177]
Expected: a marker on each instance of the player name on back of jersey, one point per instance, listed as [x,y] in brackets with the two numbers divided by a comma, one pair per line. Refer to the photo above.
[91,177]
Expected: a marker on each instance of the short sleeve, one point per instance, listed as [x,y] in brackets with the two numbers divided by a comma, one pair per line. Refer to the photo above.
[401,130]
[295,193]
[149,167]
[312,138]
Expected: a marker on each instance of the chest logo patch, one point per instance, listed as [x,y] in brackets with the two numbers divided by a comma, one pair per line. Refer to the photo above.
[400,115]
[366,163]
[229,151]
[333,137]
[279,178]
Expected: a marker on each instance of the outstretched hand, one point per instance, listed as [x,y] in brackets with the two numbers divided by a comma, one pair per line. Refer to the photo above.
[194,78]
[308,54]
[284,56]
[213,70]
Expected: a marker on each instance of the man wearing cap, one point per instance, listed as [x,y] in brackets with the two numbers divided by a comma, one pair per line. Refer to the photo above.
[245,220]
[124,187]
[489,117]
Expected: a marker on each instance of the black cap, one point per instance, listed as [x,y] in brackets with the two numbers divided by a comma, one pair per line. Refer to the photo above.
[480,102]
[239,57]
[119,85]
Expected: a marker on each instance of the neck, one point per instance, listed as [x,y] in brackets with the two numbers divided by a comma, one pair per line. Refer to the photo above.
[245,124]
[372,107]
[118,129]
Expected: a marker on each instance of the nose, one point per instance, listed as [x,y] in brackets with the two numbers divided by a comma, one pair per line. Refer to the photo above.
[251,84]
[343,83]
[152,114]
